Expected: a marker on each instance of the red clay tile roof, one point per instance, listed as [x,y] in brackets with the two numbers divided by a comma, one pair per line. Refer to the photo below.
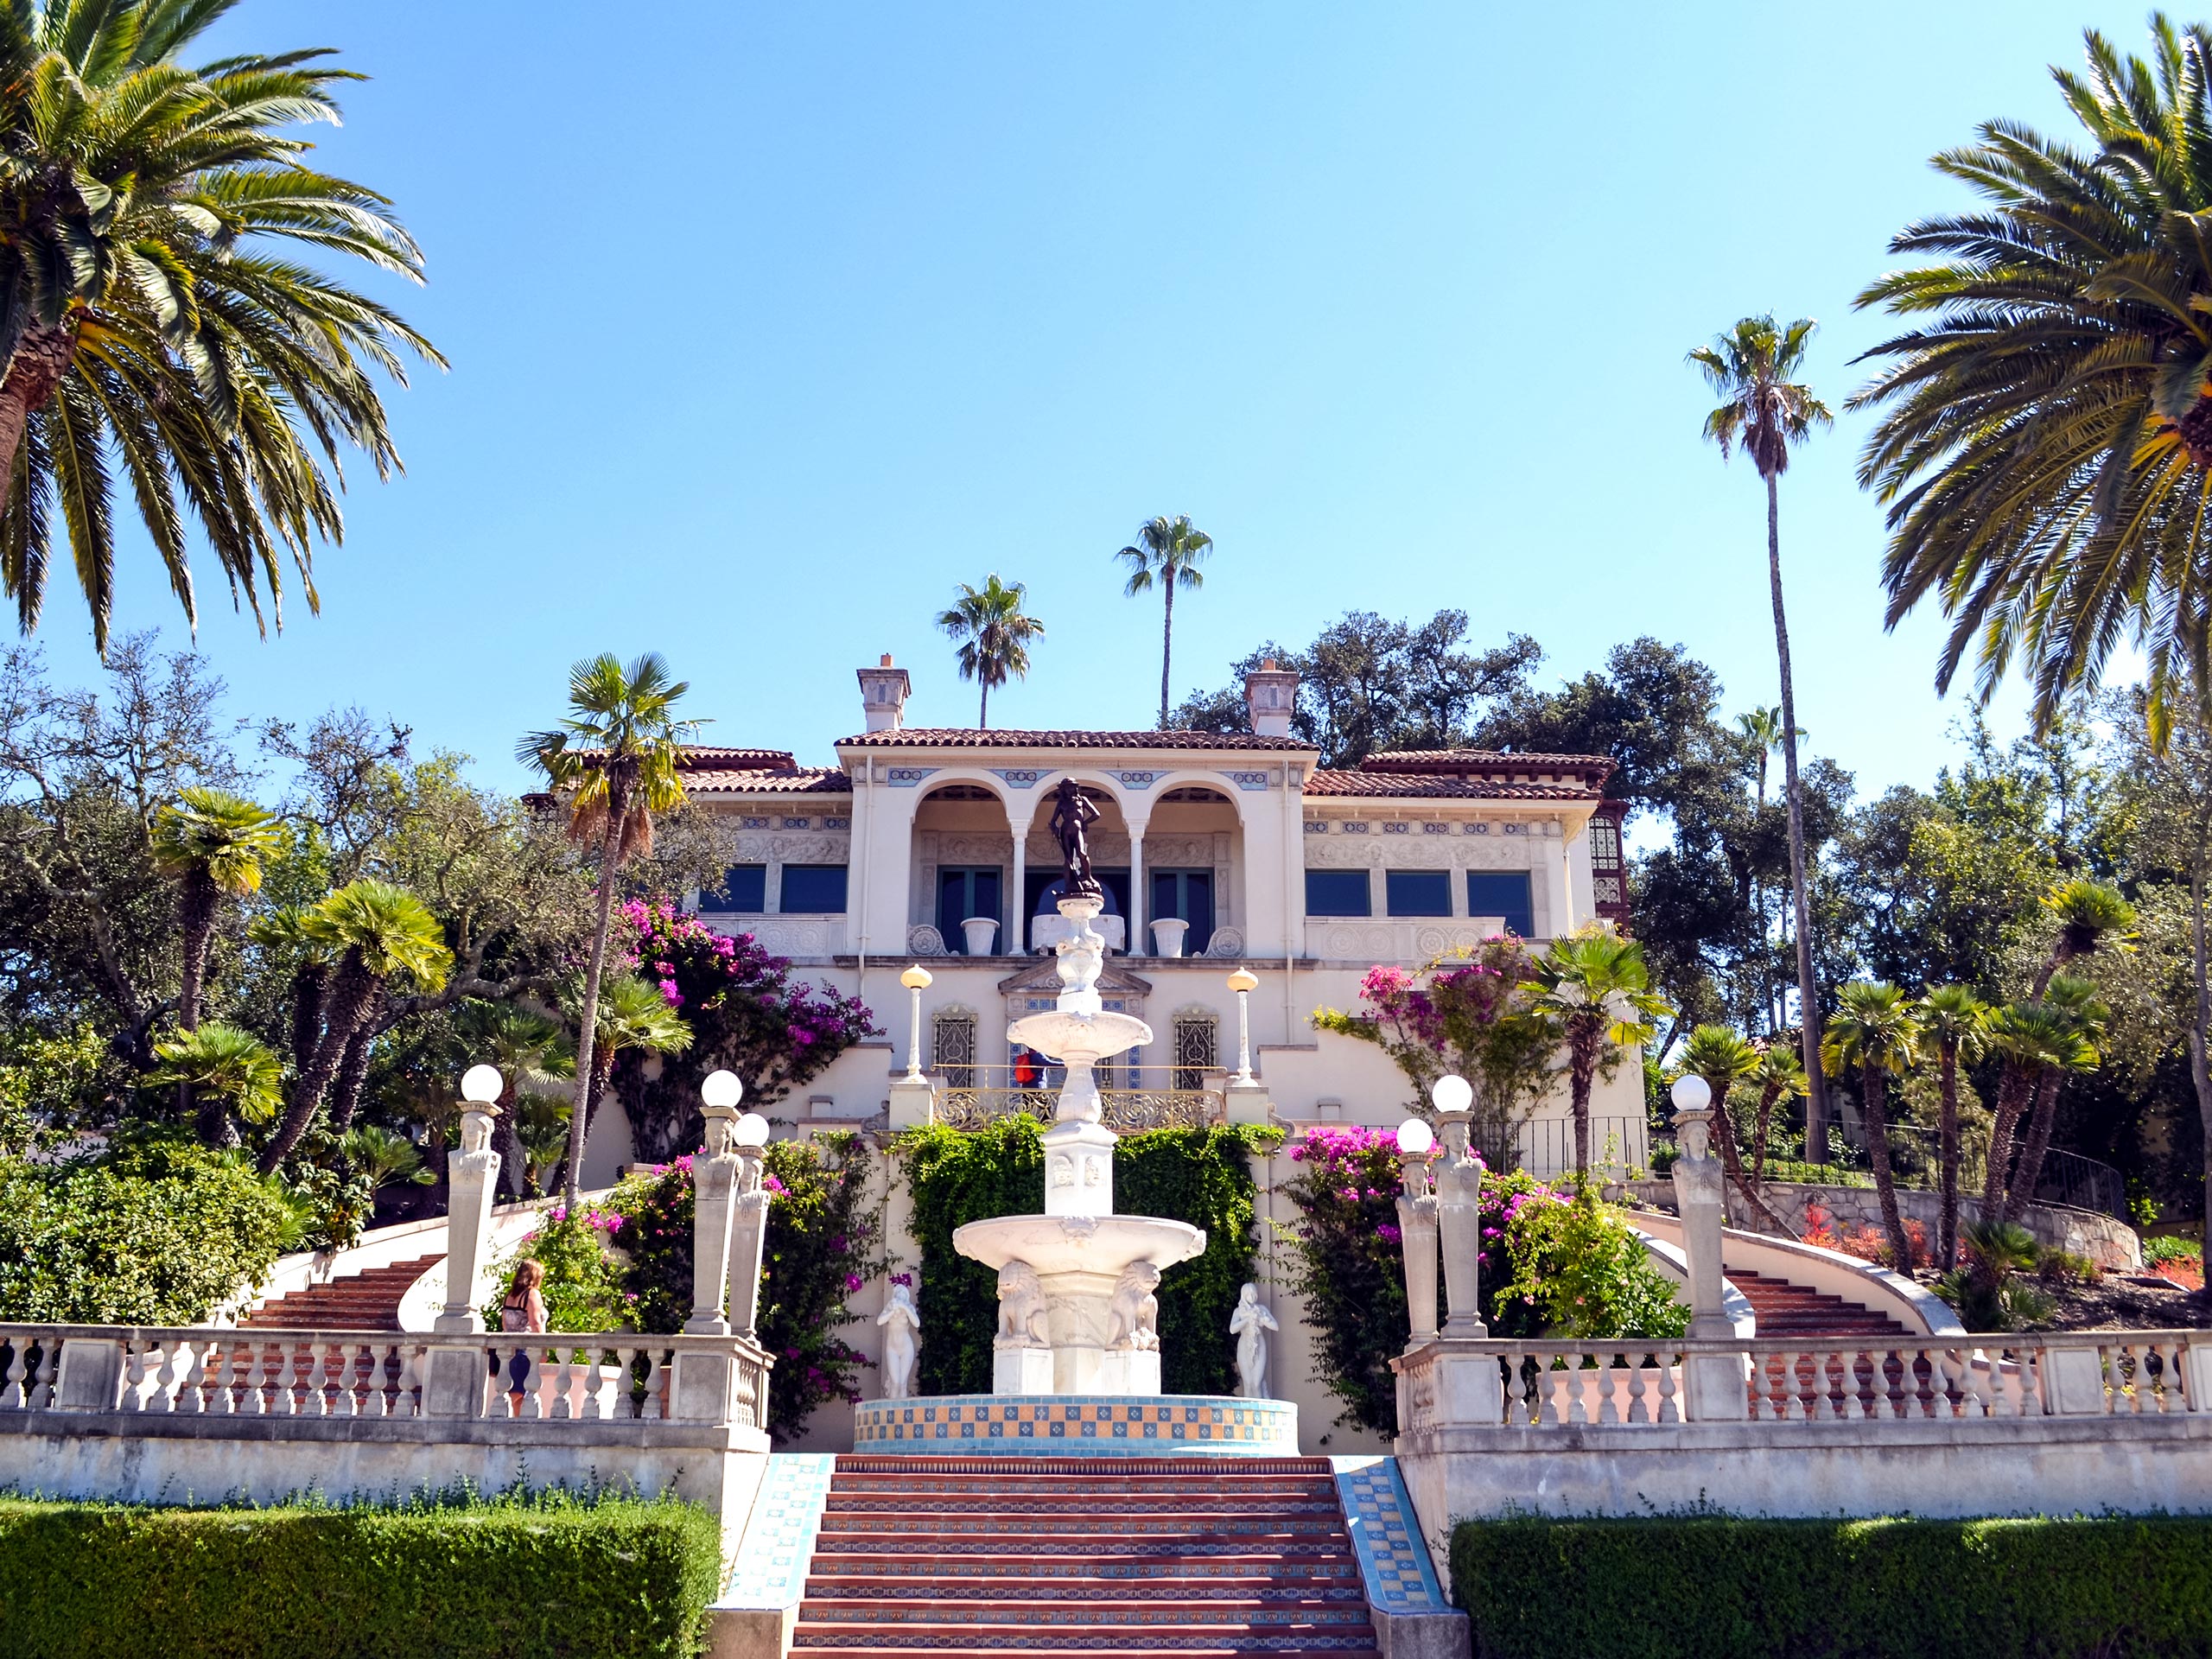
[1431,786]
[1483,762]
[760,780]
[968,737]
[707,757]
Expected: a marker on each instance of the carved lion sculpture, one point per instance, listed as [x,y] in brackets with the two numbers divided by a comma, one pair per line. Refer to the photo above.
[1133,1315]
[1021,1306]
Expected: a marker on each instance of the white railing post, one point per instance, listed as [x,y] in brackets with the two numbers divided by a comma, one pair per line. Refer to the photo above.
[1713,1385]
[1417,1228]
[454,1373]
[748,1233]
[707,1381]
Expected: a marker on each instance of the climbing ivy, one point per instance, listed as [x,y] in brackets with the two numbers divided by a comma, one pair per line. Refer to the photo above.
[1200,1176]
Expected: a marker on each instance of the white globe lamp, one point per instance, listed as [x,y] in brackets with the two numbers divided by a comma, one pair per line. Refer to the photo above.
[752,1131]
[1452,1094]
[722,1089]
[480,1085]
[1691,1093]
[1415,1138]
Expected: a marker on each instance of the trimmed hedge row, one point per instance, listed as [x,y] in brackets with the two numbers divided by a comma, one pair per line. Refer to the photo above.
[1723,1588]
[609,1578]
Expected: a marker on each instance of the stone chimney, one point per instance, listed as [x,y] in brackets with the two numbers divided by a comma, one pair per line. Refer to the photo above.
[1271,693]
[883,695]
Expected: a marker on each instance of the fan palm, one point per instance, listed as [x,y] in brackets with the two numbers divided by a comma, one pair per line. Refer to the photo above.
[1779,1076]
[1168,552]
[992,635]
[1722,1058]
[2046,445]
[633,1018]
[1957,1021]
[149,319]
[2030,1038]
[384,1158]
[537,1063]
[1767,412]
[212,842]
[539,1134]
[616,756]
[225,1070]
[2074,1001]
[376,932]
[1876,1031]
[1597,987]
[2086,912]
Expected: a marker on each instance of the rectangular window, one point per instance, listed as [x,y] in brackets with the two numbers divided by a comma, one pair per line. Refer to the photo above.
[1503,893]
[744,891]
[1186,895]
[1337,893]
[1418,892]
[814,889]
[964,891]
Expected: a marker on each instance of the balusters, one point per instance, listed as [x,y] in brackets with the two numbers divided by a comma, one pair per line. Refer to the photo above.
[1670,1402]
[656,1380]
[134,1372]
[13,1395]
[407,1398]
[560,1380]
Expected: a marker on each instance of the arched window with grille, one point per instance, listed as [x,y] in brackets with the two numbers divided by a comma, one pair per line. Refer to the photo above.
[1608,868]
[953,1042]
[1198,1048]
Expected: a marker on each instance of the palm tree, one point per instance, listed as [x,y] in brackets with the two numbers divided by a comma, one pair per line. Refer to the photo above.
[226,1070]
[537,1063]
[2086,912]
[993,634]
[1958,1020]
[1597,987]
[212,842]
[1170,550]
[2029,1037]
[1722,1058]
[2045,449]
[633,1018]
[616,754]
[1779,1076]
[2074,1002]
[1876,1030]
[378,932]
[150,311]
[385,1158]
[540,1137]
[1766,412]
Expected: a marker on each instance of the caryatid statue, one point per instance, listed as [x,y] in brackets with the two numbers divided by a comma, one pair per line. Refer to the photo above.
[1072,817]
[1250,1324]
[902,1325]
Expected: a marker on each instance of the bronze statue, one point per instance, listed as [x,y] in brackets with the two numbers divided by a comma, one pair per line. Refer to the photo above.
[1072,814]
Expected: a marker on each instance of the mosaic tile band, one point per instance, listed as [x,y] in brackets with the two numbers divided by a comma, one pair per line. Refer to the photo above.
[1394,1558]
[770,1569]
[1078,1425]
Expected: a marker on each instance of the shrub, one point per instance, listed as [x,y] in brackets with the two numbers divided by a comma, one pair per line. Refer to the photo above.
[586,1287]
[1985,1291]
[604,1578]
[1872,1244]
[1548,1265]
[2057,1267]
[1200,1176]
[2156,1252]
[1898,1587]
[152,1232]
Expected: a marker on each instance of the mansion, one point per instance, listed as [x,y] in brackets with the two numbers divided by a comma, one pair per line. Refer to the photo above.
[1218,851]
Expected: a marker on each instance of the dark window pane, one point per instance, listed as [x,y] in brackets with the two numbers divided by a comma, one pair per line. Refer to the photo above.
[1337,893]
[964,890]
[1418,892]
[1503,893]
[814,889]
[1188,895]
[745,890]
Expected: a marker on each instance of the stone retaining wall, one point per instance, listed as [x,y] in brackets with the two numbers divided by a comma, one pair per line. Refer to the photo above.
[2105,1240]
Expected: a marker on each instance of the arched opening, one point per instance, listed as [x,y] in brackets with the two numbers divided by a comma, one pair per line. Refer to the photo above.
[963,853]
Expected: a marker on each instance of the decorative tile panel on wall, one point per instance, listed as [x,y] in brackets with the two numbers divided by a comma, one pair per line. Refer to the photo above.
[1394,1558]
[1091,1425]
[772,1564]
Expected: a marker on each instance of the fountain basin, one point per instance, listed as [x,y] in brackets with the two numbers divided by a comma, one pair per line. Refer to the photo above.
[1086,1036]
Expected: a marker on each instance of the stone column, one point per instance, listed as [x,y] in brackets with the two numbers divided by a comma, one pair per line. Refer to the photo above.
[1016,930]
[1417,1225]
[1458,1192]
[1140,942]
[1713,1385]
[454,1383]
[747,1233]
[714,1179]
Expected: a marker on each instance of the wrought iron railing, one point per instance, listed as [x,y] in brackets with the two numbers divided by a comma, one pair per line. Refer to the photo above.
[1124,1110]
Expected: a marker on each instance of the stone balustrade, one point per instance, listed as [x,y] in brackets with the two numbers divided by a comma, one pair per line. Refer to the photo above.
[220,1372]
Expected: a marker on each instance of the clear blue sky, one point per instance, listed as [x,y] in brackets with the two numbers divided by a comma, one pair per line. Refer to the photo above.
[768,323]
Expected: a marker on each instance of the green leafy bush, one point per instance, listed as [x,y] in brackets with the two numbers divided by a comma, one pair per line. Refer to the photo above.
[1200,1176]
[1899,1588]
[2163,1249]
[152,1232]
[1549,1266]
[2057,1267]
[585,1286]
[595,1577]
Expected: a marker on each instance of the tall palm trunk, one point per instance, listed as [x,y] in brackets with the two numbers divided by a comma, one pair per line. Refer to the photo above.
[1767,1095]
[1808,996]
[1946,1181]
[983,712]
[1731,1162]
[507,1142]
[2023,1186]
[1875,1102]
[1166,645]
[42,356]
[618,809]
[603,1068]
[2012,1094]
[1582,1071]
[196,901]
[2200,1036]
[353,989]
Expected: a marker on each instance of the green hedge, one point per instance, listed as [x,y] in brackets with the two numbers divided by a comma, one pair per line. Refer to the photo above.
[1200,1176]
[1721,1587]
[555,1575]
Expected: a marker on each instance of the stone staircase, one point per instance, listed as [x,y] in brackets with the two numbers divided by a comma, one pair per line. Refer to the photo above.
[1095,1556]
[1784,1309]
[368,1300]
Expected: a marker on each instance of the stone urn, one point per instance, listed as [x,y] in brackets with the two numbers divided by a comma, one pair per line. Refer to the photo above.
[1168,936]
[981,932]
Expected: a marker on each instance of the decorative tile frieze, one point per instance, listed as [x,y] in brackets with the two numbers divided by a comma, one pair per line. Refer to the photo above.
[1315,827]
[1137,779]
[1084,1425]
[1436,829]
[905,776]
[1395,829]
[836,823]
[1017,777]
[1356,828]
[798,824]
[752,823]
[1247,779]
[1393,1559]
[771,1568]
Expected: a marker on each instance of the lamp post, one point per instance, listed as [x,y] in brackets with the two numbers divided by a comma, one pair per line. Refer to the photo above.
[750,1232]
[473,1173]
[1243,981]
[1417,1228]
[1700,1200]
[1458,1218]
[713,1176]
[917,979]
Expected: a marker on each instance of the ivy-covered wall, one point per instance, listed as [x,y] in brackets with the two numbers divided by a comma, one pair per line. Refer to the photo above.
[1200,1176]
